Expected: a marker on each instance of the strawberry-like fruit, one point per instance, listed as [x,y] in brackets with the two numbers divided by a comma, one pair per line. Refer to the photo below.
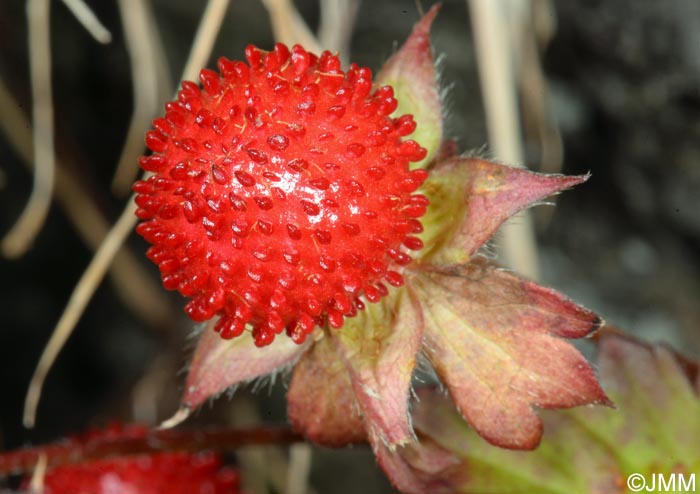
[159,473]
[281,196]
[163,473]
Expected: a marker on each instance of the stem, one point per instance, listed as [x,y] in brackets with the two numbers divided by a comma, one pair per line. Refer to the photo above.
[289,27]
[19,239]
[492,40]
[89,20]
[142,47]
[156,441]
[94,273]
[337,25]
[299,469]
[134,284]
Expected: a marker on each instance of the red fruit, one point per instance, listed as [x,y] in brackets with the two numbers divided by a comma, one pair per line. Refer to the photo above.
[281,194]
[162,473]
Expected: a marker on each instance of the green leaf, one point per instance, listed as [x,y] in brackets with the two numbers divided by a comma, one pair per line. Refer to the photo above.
[655,429]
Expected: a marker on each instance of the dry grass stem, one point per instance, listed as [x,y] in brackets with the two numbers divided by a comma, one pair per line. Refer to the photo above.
[337,25]
[134,285]
[535,34]
[419,8]
[160,65]
[36,483]
[491,28]
[142,51]
[204,39]
[79,299]
[265,467]
[299,469]
[94,274]
[289,27]
[153,389]
[89,20]
[22,234]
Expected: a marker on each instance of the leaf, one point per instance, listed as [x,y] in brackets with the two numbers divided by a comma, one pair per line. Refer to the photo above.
[219,364]
[653,430]
[495,341]
[476,197]
[379,349]
[485,468]
[411,72]
[661,420]
[321,402]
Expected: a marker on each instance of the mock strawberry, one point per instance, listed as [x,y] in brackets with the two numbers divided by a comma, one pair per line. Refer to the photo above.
[163,473]
[160,473]
[281,196]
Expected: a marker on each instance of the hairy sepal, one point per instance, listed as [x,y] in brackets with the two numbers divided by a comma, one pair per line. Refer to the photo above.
[411,72]
[321,403]
[364,370]
[379,349]
[219,364]
[475,197]
[417,468]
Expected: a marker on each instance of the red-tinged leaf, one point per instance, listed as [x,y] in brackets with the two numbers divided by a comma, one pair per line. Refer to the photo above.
[551,468]
[477,196]
[379,349]
[494,340]
[411,72]
[219,364]
[321,403]
[418,468]
[652,431]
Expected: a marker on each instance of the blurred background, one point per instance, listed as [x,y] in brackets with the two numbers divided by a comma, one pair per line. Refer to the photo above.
[611,88]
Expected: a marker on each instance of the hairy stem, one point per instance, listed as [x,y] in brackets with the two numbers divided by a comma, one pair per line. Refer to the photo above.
[156,441]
